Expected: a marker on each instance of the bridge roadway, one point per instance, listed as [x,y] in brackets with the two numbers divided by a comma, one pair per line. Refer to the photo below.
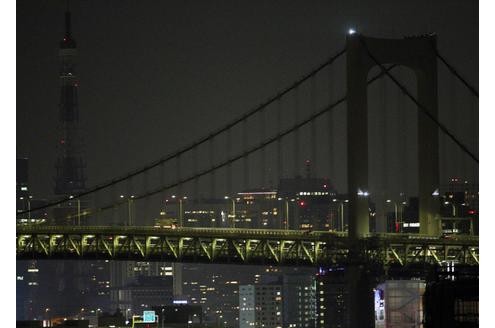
[239,246]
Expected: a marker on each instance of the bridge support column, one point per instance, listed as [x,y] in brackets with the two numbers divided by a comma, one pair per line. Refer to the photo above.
[357,137]
[361,299]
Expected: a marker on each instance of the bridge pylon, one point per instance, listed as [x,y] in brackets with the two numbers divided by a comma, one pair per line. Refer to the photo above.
[417,53]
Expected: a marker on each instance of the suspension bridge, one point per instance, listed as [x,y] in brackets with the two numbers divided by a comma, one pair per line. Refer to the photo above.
[259,147]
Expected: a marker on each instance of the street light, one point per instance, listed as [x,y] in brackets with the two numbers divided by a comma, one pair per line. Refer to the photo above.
[127,314]
[180,208]
[395,216]
[233,210]
[341,210]
[78,209]
[129,208]
[453,215]
[286,202]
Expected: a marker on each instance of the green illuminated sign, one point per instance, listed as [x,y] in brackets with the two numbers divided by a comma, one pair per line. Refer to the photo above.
[148,316]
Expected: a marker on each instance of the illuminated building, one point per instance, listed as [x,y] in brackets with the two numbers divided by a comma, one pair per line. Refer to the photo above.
[259,209]
[211,212]
[125,273]
[452,299]
[27,290]
[309,203]
[299,295]
[27,272]
[459,207]
[260,306]
[215,292]
[332,298]
[21,182]
[145,292]
[176,314]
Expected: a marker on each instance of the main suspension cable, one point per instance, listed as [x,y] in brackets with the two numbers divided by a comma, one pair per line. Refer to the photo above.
[456,74]
[200,141]
[244,154]
[420,106]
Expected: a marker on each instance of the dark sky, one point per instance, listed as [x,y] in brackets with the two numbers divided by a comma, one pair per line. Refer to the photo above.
[156,75]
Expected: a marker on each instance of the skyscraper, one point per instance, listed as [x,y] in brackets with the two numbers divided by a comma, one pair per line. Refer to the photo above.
[260,306]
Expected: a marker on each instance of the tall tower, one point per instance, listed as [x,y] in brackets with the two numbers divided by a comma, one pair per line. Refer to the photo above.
[70,178]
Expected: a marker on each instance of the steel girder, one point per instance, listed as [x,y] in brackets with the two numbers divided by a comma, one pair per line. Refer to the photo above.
[180,249]
[236,246]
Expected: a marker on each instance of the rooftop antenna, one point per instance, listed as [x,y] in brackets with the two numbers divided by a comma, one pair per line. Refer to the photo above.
[67,20]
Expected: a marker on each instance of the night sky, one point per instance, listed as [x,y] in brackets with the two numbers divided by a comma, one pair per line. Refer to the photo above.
[156,75]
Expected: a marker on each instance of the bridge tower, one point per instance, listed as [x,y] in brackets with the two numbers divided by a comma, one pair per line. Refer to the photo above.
[363,53]
[70,177]
[419,54]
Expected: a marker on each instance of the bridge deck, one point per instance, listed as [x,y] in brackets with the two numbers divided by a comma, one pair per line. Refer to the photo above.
[234,245]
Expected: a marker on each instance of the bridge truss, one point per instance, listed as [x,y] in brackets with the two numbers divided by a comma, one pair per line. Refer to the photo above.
[239,246]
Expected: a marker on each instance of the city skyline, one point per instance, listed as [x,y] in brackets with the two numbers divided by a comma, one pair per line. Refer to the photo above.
[152,78]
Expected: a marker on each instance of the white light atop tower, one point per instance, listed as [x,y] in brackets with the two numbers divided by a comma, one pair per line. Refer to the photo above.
[351,31]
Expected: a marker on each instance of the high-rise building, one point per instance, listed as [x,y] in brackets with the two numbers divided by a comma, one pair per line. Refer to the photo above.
[452,298]
[145,292]
[299,295]
[216,290]
[27,280]
[260,209]
[459,207]
[21,178]
[332,298]
[260,306]
[27,290]
[125,273]
[309,203]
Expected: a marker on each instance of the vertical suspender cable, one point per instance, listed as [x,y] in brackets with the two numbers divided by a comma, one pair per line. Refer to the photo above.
[114,215]
[178,166]
[126,212]
[313,123]
[97,218]
[195,170]
[455,115]
[384,136]
[229,166]
[330,125]
[263,151]
[246,158]
[279,141]
[161,200]
[145,205]
[212,163]
[401,112]
[475,137]
[296,133]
